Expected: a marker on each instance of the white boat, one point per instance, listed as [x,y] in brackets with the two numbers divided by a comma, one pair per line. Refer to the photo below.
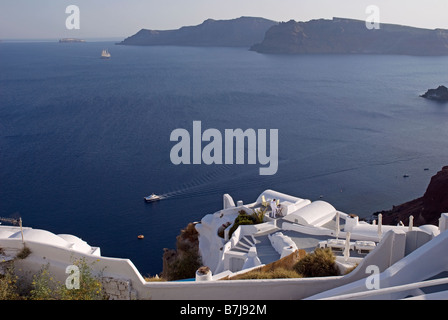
[105,54]
[152,198]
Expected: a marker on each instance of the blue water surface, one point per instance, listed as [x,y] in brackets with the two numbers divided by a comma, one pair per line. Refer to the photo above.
[83,140]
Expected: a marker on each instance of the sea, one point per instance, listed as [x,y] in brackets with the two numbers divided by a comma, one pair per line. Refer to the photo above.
[84,139]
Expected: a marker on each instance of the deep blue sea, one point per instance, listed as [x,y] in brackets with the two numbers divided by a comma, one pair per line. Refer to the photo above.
[83,140]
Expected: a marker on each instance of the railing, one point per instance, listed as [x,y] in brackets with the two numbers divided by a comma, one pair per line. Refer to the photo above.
[394,289]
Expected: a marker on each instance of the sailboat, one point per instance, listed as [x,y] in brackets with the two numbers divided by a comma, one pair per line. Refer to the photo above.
[105,54]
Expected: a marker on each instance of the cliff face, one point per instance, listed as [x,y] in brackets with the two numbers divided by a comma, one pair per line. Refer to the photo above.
[342,36]
[241,32]
[183,262]
[428,208]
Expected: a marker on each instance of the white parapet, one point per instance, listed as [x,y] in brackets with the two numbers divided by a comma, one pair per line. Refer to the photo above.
[228,201]
[282,244]
[252,259]
[443,222]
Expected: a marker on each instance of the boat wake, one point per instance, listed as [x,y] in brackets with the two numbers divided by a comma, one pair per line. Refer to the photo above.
[206,184]
[224,179]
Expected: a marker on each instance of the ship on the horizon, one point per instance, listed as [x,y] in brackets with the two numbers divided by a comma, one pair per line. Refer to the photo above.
[105,54]
[71,40]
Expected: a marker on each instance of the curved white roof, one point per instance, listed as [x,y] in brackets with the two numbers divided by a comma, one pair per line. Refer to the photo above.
[5,234]
[316,213]
[78,243]
[42,236]
[271,194]
[430,229]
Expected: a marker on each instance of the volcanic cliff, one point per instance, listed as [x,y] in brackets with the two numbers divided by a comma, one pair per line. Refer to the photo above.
[240,32]
[346,36]
[426,209]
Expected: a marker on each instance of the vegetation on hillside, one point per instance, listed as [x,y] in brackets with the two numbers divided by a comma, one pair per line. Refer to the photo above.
[45,287]
[244,218]
[183,262]
[320,263]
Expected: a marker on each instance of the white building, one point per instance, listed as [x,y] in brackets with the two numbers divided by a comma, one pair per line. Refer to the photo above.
[301,223]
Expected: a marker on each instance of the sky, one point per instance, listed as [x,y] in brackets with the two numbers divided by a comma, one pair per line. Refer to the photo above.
[46,19]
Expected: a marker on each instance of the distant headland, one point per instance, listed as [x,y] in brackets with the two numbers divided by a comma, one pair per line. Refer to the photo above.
[240,32]
[348,36]
[321,36]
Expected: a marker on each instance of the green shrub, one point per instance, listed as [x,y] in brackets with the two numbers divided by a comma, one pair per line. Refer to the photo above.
[242,219]
[8,285]
[45,287]
[258,215]
[90,286]
[321,263]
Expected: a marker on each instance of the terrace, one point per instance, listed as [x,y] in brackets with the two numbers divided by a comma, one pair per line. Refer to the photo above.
[299,224]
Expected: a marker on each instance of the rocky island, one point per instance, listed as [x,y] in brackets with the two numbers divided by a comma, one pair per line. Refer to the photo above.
[439,94]
[348,36]
[240,32]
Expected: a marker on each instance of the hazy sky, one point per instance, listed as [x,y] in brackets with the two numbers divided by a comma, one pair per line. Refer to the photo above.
[122,18]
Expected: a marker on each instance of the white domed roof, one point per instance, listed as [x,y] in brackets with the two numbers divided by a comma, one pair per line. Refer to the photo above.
[430,229]
[5,234]
[317,213]
[42,236]
[78,243]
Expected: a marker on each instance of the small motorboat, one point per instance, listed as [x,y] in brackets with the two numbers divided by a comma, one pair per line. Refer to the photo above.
[152,198]
[141,236]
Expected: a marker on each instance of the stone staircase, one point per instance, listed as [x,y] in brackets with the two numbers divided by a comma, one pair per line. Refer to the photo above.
[244,244]
[265,251]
